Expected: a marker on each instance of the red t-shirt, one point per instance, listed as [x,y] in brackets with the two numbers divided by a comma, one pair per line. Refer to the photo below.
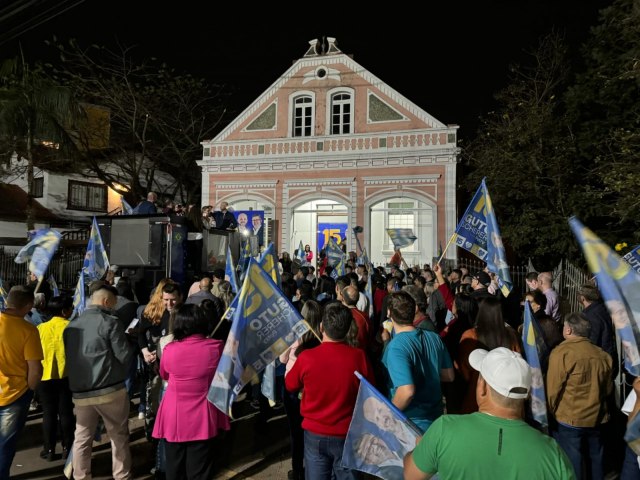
[363,327]
[325,374]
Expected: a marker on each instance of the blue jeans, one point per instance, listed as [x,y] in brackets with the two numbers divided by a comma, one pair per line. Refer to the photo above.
[630,469]
[12,420]
[323,458]
[573,441]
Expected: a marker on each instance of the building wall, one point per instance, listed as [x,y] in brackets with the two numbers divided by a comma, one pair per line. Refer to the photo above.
[413,156]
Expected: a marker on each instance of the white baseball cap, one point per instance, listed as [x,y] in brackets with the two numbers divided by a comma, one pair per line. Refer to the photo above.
[504,370]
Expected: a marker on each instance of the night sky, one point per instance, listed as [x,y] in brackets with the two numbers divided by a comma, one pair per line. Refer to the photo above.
[447,57]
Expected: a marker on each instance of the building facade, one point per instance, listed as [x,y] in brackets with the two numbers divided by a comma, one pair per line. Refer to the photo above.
[329,146]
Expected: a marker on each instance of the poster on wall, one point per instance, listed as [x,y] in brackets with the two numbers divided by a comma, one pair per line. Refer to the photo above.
[327,230]
[251,222]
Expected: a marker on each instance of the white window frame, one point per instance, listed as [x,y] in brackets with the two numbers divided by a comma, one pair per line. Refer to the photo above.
[292,112]
[331,94]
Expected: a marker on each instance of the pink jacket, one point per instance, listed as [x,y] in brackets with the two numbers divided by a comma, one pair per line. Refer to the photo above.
[185,414]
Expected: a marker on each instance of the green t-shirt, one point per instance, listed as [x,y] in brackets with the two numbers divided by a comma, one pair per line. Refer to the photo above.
[479,446]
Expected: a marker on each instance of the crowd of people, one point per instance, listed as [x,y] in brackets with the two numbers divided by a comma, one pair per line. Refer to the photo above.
[444,347]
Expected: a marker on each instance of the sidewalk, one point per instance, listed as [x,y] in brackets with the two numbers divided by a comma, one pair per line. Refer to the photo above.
[248,451]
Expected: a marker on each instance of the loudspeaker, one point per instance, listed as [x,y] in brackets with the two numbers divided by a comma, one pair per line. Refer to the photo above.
[139,242]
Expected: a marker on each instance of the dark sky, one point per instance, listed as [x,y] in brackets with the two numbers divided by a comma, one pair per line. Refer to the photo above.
[447,57]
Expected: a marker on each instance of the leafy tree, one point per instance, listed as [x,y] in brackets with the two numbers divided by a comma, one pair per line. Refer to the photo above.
[156,119]
[526,151]
[35,119]
[604,105]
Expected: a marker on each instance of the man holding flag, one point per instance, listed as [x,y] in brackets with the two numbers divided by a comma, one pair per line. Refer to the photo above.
[325,374]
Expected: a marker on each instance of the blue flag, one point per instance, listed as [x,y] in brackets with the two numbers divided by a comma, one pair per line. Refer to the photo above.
[334,252]
[269,262]
[363,259]
[339,270]
[301,255]
[54,286]
[126,208]
[401,237]
[79,300]
[39,251]
[96,262]
[478,233]
[379,435]
[244,259]
[534,350]
[3,296]
[264,324]
[620,288]
[230,272]
[633,258]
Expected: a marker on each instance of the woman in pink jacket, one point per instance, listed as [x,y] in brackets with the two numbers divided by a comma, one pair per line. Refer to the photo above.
[186,420]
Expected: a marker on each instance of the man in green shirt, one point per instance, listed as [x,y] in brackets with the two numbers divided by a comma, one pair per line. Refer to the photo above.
[494,442]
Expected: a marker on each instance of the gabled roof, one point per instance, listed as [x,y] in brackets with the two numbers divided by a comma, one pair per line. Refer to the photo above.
[13,205]
[327,54]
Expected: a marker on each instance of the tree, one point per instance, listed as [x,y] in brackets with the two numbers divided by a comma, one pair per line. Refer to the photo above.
[604,105]
[526,150]
[156,119]
[35,115]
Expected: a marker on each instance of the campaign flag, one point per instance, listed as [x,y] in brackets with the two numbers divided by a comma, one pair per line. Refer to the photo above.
[478,233]
[263,325]
[401,237]
[633,258]
[126,208]
[335,254]
[268,382]
[368,291]
[54,286]
[379,435]
[3,295]
[301,255]
[363,259]
[245,257]
[96,262]
[620,288]
[269,262]
[39,251]
[534,350]
[338,271]
[79,300]
[230,274]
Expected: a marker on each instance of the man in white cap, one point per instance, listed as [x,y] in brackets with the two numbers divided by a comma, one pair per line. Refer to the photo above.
[494,442]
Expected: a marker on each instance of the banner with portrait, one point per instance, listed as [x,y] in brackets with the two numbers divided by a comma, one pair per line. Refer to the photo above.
[251,222]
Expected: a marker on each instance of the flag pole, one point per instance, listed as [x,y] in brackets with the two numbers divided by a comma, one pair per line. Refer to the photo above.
[453,235]
[313,331]
[38,285]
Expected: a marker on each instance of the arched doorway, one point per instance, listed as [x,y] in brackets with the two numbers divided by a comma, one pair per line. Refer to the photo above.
[313,222]
[402,212]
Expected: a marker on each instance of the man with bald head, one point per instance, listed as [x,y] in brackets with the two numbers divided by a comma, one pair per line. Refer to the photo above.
[99,354]
[20,371]
[205,294]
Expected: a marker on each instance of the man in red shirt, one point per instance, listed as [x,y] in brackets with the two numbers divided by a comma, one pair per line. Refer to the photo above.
[330,388]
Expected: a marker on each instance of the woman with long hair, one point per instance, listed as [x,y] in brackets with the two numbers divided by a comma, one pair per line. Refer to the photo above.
[286,262]
[312,313]
[489,332]
[226,294]
[154,323]
[186,420]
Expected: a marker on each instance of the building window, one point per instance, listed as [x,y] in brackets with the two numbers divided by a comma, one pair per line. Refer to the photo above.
[87,196]
[37,188]
[401,215]
[302,116]
[341,113]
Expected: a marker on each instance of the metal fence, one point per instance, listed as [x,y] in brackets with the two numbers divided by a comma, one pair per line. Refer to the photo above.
[64,267]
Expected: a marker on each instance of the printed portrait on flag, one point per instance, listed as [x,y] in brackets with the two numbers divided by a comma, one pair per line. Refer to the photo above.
[379,435]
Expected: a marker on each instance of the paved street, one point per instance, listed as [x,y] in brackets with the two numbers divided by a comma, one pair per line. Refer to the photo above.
[246,452]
